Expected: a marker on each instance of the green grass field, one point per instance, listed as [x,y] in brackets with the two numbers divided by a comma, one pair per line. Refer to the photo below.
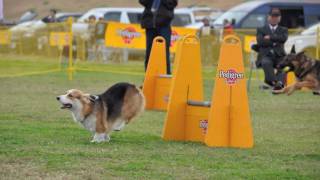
[38,140]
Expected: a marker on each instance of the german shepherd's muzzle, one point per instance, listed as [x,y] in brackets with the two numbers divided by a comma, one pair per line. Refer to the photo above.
[306,70]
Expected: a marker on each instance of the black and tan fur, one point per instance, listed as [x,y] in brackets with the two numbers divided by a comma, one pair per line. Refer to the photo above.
[306,70]
[107,112]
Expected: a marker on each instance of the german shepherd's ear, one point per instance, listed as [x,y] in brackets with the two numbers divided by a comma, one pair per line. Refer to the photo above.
[300,54]
[293,49]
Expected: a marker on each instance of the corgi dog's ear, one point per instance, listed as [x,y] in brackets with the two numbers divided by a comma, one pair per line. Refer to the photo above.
[93,98]
[90,98]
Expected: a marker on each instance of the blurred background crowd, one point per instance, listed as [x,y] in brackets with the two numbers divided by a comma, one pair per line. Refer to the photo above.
[29,23]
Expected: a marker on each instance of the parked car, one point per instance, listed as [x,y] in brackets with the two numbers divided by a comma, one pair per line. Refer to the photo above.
[253,14]
[305,41]
[215,14]
[183,17]
[30,27]
[27,16]
[202,12]
[62,17]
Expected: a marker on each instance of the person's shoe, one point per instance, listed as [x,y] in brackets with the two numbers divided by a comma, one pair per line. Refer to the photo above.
[264,87]
[317,93]
[278,86]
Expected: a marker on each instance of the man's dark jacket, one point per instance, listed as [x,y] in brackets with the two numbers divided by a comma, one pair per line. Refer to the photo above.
[49,19]
[274,47]
[163,16]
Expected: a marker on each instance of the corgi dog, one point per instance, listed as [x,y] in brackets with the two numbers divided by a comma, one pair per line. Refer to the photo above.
[104,113]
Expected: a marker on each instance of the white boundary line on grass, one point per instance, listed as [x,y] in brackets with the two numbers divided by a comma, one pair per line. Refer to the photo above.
[29,74]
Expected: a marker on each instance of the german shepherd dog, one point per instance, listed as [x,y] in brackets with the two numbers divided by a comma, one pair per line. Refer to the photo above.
[306,70]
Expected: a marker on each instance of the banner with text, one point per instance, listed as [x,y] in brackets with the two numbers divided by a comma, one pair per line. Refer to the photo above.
[120,35]
[60,38]
[5,37]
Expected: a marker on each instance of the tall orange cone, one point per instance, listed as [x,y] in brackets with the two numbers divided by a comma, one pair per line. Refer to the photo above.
[186,85]
[229,119]
[156,66]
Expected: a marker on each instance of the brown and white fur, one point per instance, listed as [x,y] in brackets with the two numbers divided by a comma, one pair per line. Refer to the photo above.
[104,113]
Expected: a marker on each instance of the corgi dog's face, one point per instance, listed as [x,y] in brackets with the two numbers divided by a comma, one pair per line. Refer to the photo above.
[76,100]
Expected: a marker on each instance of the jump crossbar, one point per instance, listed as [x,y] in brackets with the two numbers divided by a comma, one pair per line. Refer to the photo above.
[199,103]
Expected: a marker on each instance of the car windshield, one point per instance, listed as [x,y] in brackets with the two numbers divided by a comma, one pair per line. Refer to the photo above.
[28,16]
[134,18]
[181,20]
[311,30]
[230,15]
[97,13]
[66,17]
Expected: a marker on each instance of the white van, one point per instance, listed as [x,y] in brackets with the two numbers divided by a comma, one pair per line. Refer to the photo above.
[183,17]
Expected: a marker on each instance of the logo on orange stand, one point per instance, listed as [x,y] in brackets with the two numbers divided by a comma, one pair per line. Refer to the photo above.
[231,76]
[128,34]
[174,37]
[203,124]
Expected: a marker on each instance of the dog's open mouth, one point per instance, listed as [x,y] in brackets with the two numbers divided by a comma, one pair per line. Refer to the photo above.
[66,106]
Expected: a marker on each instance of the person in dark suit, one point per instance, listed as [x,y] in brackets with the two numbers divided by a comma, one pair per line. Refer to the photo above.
[156,19]
[51,18]
[270,41]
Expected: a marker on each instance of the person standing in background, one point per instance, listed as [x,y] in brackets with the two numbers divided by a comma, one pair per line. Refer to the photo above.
[92,38]
[206,28]
[100,42]
[207,41]
[227,27]
[156,19]
[51,18]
